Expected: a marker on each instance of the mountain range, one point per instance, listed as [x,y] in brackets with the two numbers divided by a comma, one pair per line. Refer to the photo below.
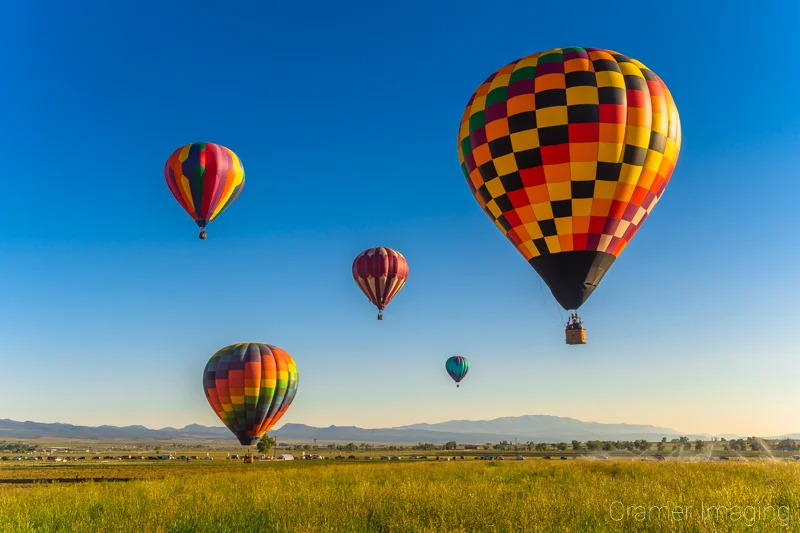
[536,428]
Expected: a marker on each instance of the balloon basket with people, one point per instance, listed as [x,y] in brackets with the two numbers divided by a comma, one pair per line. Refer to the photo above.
[576,333]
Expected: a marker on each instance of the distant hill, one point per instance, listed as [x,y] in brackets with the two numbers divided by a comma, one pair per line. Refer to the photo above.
[537,428]
[32,430]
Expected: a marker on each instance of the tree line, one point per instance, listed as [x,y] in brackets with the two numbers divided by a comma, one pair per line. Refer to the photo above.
[640,445]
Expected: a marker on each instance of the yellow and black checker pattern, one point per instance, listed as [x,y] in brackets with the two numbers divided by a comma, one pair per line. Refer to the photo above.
[570,149]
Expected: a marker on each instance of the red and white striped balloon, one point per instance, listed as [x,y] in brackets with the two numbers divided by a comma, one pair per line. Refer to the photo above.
[380,274]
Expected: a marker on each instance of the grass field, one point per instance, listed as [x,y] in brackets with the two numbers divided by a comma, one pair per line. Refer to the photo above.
[435,497]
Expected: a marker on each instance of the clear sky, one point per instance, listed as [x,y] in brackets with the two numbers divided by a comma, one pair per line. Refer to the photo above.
[345,116]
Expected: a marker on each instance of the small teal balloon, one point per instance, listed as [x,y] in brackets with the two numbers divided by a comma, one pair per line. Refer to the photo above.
[457,366]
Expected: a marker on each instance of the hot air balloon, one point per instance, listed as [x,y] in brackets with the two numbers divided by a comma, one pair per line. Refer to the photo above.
[250,386]
[457,366]
[205,178]
[568,151]
[380,274]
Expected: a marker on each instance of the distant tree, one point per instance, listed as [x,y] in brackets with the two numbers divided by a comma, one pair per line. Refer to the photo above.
[722,439]
[531,446]
[541,447]
[738,444]
[674,441]
[351,447]
[687,445]
[450,445]
[660,446]
[593,445]
[699,445]
[562,446]
[684,439]
[266,444]
[332,447]
[663,439]
[609,446]
[576,445]
[15,447]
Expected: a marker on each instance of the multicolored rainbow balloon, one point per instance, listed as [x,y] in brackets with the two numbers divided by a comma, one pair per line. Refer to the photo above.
[250,386]
[205,178]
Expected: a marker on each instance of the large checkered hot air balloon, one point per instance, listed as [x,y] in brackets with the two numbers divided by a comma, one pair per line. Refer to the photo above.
[205,178]
[380,273]
[250,386]
[568,151]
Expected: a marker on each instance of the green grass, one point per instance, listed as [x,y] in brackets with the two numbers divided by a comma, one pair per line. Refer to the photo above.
[473,496]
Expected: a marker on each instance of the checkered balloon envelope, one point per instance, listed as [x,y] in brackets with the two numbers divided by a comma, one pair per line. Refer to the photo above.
[568,151]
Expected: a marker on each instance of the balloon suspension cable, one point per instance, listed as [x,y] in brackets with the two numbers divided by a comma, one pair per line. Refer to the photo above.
[560,314]
[550,315]
[202,235]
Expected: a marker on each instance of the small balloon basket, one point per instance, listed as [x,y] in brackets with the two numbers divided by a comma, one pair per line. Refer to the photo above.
[576,336]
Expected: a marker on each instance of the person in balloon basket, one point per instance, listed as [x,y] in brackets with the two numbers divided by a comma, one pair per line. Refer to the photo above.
[574,322]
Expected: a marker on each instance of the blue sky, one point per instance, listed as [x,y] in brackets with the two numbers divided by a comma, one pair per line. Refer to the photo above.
[345,117]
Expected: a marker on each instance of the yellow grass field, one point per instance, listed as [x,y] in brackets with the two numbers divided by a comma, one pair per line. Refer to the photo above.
[433,497]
